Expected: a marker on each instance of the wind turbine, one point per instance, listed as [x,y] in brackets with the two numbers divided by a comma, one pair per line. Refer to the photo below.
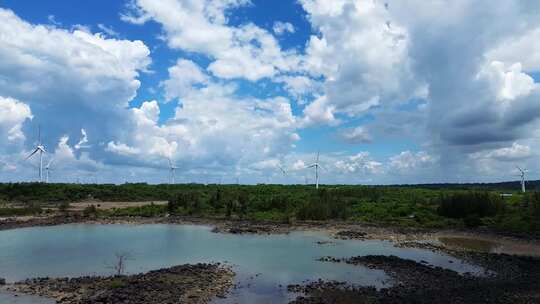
[41,149]
[172,171]
[316,165]
[47,169]
[282,169]
[522,175]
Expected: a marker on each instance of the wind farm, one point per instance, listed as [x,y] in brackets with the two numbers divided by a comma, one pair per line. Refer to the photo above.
[251,151]
[459,216]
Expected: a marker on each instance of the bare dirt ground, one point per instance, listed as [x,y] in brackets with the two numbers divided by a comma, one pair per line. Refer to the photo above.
[111,205]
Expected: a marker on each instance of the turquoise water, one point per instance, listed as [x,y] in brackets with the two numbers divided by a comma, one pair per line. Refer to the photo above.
[265,264]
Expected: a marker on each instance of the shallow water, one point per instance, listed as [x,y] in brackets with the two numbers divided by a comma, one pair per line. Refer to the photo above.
[265,264]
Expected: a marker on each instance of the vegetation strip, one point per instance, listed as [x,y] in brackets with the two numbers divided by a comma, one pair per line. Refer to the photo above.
[419,207]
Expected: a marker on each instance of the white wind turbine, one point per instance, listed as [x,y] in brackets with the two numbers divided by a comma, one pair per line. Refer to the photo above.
[282,170]
[522,175]
[47,169]
[316,165]
[172,171]
[41,149]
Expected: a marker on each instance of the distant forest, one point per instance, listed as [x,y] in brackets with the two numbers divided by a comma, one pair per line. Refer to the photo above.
[429,206]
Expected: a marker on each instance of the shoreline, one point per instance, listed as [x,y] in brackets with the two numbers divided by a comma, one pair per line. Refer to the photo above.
[339,230]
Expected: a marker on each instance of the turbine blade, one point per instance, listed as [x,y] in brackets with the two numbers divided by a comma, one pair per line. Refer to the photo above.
[31,154]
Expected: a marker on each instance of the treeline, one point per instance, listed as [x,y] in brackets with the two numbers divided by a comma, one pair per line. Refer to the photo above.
[501,186]
[407,206]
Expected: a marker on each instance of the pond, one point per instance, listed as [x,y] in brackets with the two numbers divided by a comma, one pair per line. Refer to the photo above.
[265,264]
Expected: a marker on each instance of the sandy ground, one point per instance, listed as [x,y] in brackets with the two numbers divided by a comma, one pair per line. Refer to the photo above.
[100,205]
[111,205]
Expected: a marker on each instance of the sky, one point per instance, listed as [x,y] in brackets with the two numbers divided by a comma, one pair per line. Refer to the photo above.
[389,92]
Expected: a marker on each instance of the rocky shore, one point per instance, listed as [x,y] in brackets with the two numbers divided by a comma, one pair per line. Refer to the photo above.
[513,279]
[198,283]
[36,221]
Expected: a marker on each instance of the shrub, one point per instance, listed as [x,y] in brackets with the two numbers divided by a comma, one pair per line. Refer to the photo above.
[20,211]
[532,201]
[63,207]
[143,211]
[464,204]
[323,206]
[472,221]
[90,211]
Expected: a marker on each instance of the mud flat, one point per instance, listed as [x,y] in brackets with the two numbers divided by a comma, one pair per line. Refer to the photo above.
[197,283]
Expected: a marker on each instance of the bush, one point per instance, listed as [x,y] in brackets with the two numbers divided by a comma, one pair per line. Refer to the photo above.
[324,206]
[472,221]
[90,211]
[532,201]
[63,207]
[186,203]
[464,204]
[20,211]
[143,211]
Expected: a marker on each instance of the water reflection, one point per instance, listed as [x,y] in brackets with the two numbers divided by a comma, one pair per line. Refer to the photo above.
[265,264]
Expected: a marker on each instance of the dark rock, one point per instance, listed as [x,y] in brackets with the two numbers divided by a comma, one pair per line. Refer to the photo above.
[517,281]
[197,283]
[351,235]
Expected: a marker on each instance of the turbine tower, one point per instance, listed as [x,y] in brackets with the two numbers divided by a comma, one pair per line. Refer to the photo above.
[522,175]
[47,169]
[41,149]
[172,171]
[316,165]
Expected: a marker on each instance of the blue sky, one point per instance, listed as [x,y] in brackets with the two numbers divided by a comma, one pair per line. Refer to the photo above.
[389,92]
